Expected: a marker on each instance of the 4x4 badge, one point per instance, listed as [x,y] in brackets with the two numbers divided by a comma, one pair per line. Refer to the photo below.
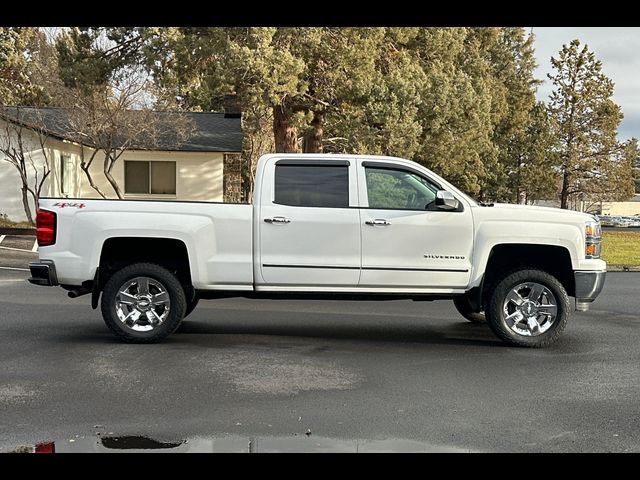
[70,205]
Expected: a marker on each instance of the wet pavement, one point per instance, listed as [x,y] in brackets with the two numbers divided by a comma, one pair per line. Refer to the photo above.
[16,251]
[231,444]
[19,242]
[259,375]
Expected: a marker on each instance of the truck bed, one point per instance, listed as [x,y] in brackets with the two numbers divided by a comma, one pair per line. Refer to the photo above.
[217,236]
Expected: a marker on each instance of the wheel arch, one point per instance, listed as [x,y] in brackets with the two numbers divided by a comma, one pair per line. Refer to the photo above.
[508,257]
[119,252]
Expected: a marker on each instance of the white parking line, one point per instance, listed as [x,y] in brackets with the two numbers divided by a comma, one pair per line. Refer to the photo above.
[35,246]
[16,249]
[2,238]
[15,268]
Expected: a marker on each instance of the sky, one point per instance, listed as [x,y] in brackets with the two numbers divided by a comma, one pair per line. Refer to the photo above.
[618,48]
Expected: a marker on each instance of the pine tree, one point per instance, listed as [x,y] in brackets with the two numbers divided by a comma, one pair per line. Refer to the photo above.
[636,164]
[26,61]
[456,108]
[510,56]
[586,120]
[458,100]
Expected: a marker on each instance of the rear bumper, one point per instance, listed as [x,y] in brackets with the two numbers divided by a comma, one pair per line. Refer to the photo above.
[43,273]
[589,284]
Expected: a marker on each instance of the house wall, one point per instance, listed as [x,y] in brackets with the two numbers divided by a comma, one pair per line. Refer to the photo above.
[199,175]
[58,148]
[621,208]
[10,182]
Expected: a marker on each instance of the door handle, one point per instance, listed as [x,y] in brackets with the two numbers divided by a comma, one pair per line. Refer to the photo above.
[277,220]
[378,222]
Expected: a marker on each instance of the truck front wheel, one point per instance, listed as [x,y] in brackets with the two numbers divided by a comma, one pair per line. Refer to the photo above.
[143,303]
[528,308]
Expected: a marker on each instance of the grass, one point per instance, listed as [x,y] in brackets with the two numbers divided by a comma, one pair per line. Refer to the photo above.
[6,223]
[621,248]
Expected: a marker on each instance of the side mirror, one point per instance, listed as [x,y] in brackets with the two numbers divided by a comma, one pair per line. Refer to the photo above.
[446,201]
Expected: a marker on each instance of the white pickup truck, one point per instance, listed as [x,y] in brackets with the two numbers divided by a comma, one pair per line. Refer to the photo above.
[325,225]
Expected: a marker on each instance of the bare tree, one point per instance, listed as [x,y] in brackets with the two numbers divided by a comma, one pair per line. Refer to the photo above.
[22,139]
[118,117]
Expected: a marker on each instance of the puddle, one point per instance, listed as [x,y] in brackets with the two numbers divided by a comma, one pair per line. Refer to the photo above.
[234,444]
[132,442]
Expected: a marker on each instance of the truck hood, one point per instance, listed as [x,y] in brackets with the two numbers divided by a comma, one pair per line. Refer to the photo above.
[534,213]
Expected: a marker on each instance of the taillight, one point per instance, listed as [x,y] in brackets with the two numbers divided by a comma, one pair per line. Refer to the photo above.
[45,228]
[48,447]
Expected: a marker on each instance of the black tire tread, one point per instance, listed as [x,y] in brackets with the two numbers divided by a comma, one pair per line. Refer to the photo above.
[175,289]
[521,276]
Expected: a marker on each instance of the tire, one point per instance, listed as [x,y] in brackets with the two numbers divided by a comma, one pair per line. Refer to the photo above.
[524,319]
[464,308]
[160,305]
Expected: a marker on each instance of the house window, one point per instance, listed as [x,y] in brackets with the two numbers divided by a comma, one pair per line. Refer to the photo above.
[157,178]
[66,167]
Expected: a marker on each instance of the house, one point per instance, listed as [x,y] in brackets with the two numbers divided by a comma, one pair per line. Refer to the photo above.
[205,167]
[632,207]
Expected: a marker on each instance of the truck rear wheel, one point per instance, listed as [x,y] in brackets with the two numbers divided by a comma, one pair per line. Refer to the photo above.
[143,303]
[464,308]
[528,308]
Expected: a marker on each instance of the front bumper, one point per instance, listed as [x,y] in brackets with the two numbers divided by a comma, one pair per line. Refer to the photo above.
[43,273]
[589,284]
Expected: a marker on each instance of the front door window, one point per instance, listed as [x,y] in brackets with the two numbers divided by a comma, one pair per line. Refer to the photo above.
[398,190]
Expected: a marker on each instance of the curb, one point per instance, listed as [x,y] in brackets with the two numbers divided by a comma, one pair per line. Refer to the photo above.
[623,268]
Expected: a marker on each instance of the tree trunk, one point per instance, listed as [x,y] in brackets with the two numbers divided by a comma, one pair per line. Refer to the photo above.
[35,194]
[564,193]
[85,169]
[25,204]
[285,134]
[109,161]
[313,139]
[114,184]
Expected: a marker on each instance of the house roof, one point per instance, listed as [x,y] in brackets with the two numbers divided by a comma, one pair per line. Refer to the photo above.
[211,132]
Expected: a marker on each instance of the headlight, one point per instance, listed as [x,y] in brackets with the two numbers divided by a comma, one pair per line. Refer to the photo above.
[593,237]
[593,230]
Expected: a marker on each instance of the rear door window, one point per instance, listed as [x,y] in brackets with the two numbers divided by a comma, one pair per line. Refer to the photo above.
[312,186]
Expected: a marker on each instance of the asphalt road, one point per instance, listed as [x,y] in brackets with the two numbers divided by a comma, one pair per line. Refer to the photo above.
[257,375]
[16,251]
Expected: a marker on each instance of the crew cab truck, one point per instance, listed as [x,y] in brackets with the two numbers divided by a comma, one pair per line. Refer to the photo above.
[325,225]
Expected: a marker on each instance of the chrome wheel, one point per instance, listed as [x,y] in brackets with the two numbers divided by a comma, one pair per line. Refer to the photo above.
[530,309]
[142,304]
